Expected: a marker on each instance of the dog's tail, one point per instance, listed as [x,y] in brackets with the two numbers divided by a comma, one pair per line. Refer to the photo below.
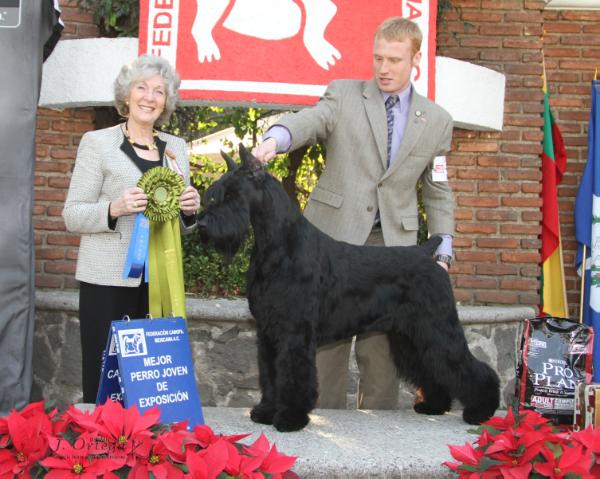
[431,245]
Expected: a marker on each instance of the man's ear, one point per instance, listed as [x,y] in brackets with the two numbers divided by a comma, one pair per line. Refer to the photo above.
[416,60]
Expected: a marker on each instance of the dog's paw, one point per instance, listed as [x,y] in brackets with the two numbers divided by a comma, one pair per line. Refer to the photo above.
[288,420]
[431,409]
[263,413]
[476,416]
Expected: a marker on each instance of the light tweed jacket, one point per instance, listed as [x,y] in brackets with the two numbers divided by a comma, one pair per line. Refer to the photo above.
[102,172]
[351,121]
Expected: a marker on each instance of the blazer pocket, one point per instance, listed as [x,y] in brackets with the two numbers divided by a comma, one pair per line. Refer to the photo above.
[328,197]
[410,223]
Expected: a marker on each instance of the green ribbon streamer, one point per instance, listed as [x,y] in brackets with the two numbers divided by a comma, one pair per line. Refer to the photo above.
[166,291]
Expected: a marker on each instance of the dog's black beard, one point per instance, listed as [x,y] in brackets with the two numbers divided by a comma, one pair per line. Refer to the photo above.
[225,231]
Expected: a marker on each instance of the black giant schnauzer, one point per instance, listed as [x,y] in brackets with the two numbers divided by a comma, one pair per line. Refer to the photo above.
[305,290]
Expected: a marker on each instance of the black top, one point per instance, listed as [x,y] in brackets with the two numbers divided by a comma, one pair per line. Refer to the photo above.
[141,163]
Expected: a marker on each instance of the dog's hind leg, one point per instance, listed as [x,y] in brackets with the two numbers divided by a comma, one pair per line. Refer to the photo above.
[464,377]
[264,411]
[431,397]
[296,381]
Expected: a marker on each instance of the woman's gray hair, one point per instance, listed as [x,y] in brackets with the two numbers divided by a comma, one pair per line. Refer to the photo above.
[142,68]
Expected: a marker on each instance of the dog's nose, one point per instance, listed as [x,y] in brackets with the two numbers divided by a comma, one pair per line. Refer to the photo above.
[202,222]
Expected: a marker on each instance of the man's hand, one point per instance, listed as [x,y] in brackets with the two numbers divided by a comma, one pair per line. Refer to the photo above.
[266,151]
[443,265]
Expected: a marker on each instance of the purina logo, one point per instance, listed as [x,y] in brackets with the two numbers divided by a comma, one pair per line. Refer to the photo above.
[132,342]
[537,343]
[10,13]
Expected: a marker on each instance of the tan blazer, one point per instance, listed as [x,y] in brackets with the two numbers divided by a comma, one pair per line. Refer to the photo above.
[102,172]
[351,121]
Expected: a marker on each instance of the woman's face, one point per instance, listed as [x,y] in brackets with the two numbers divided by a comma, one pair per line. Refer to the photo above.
[147,100]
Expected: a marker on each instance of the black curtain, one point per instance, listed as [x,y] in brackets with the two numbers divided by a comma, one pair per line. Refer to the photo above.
[29,30]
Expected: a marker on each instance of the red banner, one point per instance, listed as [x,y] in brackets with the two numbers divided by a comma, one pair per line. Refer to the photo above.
[275,52]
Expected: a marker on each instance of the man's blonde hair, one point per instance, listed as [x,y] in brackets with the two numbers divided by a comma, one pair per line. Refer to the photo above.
[399,29]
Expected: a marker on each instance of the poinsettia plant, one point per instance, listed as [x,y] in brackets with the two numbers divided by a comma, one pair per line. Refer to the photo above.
[524,445]
[111,442]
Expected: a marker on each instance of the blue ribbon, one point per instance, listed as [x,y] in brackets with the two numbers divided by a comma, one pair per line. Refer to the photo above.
[137,253]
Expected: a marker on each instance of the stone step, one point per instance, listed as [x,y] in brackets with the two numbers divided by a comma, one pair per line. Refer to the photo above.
[358,443]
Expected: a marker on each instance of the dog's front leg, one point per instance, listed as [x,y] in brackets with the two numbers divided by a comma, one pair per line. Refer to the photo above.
[264,411]
[296,379]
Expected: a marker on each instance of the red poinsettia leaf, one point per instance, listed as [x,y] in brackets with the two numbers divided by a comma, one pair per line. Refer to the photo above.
[216,456]
[574,457]
[501,423]
[249,464]
[502,442]
[235,437]
[451,465]
[260,447]
[529,419]
[180,426]
[131,417]
[52,462]
[113,417]
[82,420]
[175,444]
[589,437]
[464,454]
[517,472]
[148,419]
[546,469]
[204,434]
[196,464]
[275,462]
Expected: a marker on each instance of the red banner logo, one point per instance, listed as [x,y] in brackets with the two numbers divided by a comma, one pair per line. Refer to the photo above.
[276,52]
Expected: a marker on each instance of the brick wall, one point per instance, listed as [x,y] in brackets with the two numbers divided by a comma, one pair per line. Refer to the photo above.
[495,175]
[58,134]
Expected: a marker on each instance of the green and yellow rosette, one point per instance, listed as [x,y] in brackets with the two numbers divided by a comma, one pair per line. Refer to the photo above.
[166,292]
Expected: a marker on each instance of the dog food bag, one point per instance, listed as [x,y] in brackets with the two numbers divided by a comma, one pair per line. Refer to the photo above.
[555,355]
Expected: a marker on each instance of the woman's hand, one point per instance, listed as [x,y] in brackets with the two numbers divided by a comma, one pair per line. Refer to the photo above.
[132,201]
[189,201]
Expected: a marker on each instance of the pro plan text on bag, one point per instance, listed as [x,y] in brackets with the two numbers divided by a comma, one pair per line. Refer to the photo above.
[555,355]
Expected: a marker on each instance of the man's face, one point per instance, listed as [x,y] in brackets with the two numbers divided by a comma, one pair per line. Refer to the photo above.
[392,64]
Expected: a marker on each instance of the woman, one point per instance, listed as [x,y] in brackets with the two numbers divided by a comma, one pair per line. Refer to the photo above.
[103,199]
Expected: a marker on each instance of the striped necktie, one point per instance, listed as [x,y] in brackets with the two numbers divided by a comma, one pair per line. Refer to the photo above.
[389,105]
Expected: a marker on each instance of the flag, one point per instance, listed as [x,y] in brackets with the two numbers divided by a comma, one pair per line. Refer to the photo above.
[554,160]
[587,228]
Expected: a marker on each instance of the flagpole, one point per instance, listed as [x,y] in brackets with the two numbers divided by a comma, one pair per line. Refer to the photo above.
[582,292]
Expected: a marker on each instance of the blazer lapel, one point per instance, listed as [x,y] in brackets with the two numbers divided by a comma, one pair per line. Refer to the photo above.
[415,125]
[375,109]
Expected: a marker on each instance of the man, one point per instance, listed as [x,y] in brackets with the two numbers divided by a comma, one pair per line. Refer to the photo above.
[382,138]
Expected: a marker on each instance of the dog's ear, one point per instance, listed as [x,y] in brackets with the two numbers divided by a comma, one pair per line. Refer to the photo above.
[231,165]
[250,161]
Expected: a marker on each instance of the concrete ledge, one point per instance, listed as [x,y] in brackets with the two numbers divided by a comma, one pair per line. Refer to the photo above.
[222,336]
[235,310]
[359,443]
